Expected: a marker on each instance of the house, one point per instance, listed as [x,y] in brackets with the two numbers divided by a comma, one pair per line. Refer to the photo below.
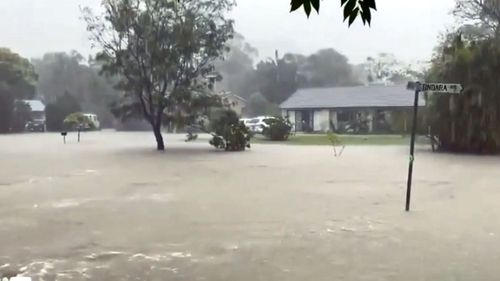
[235,102]
[343,109]
[37,115]
[37,110]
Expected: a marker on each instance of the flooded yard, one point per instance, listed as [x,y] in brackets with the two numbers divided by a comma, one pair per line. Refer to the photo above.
[112,208]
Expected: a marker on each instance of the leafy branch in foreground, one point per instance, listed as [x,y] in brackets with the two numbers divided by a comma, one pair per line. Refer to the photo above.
[352,9]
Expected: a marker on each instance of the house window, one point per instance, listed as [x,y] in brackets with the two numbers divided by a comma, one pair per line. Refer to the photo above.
[343,116]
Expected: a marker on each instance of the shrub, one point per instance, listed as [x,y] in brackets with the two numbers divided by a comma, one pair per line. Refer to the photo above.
[278,129]
[228,132]
[78,121]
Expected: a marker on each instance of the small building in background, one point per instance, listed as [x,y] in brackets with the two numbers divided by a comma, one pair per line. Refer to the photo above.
[37,115]
[235,102]
[360,109]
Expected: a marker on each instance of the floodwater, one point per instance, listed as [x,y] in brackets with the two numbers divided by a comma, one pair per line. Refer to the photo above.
[111,208]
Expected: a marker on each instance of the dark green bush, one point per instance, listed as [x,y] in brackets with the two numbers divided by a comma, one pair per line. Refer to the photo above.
[278,129]
[228,132]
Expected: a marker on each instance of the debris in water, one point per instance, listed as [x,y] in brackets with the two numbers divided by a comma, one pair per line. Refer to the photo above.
[5,265]
[180,255]
[103,256]
[348,229]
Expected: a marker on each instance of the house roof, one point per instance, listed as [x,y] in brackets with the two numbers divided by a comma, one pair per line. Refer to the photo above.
[231,95]
[352,97]
[35,105]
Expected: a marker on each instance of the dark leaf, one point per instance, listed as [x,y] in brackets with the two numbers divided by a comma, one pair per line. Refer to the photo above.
[348,8]
[307,7]
[315,4]
[370,4]
[295,4]
[353,15]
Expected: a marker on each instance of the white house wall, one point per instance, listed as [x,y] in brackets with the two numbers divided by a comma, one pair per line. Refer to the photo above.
[290,114]
[321,120]
[333,118]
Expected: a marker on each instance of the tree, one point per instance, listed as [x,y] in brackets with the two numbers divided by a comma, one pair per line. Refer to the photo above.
[386,68]
[160,49]
[277,79]
[326,68]
[69,72]
[468,122]
[484,14]
[237,67]
[57,111]
[17,78]
[352,8]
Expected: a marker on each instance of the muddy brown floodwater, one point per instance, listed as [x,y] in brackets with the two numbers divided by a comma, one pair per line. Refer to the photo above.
[111,208]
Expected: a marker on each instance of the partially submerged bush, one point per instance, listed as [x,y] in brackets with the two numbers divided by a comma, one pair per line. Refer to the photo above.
[277,129]
[78,121]
[228,132]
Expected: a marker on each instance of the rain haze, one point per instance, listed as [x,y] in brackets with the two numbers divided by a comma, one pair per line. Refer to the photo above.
[34,27]
[201,141]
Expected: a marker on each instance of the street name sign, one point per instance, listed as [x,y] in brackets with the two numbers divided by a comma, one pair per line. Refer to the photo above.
[442,88]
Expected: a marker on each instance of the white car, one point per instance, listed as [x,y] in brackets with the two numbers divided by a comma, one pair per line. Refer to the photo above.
[94,119]
[245,121]
[256,125]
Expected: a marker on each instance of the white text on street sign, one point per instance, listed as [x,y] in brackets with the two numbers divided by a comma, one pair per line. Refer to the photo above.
[442,88]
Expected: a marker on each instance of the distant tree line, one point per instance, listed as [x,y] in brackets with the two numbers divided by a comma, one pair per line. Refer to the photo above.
[17,83]
[269,82]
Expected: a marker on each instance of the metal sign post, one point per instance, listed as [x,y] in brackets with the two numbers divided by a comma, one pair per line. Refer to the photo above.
[428,88]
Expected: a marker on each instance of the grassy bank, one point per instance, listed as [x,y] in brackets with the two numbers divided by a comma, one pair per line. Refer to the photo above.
[322,139]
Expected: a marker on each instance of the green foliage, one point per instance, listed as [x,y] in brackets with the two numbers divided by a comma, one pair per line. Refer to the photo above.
[56,112]
[352,8]
[160,49]
[278,129]
[69,72]
[469,122]
[21,116]
[325,68]
[78,121]
[237,68]
[229,133]
[277,79]
[17,78]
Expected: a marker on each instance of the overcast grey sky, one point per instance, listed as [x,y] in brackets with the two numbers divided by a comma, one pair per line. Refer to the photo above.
[407,28]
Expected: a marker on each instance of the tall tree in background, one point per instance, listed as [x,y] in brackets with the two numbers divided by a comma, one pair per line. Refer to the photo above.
[386,68]
[277,79]
[60,73]
[484,14]
[237,67]
[17,78]
[56,112]
[160,48]
[327,68]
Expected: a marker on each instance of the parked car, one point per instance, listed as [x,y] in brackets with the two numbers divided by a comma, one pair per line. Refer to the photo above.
[94,120]
[256,125]
[35,126]
[245,121]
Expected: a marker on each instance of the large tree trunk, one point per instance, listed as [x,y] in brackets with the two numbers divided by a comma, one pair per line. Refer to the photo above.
[160,145]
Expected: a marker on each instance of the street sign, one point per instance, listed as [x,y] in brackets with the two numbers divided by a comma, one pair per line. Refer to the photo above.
[442,88]
[417,87]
